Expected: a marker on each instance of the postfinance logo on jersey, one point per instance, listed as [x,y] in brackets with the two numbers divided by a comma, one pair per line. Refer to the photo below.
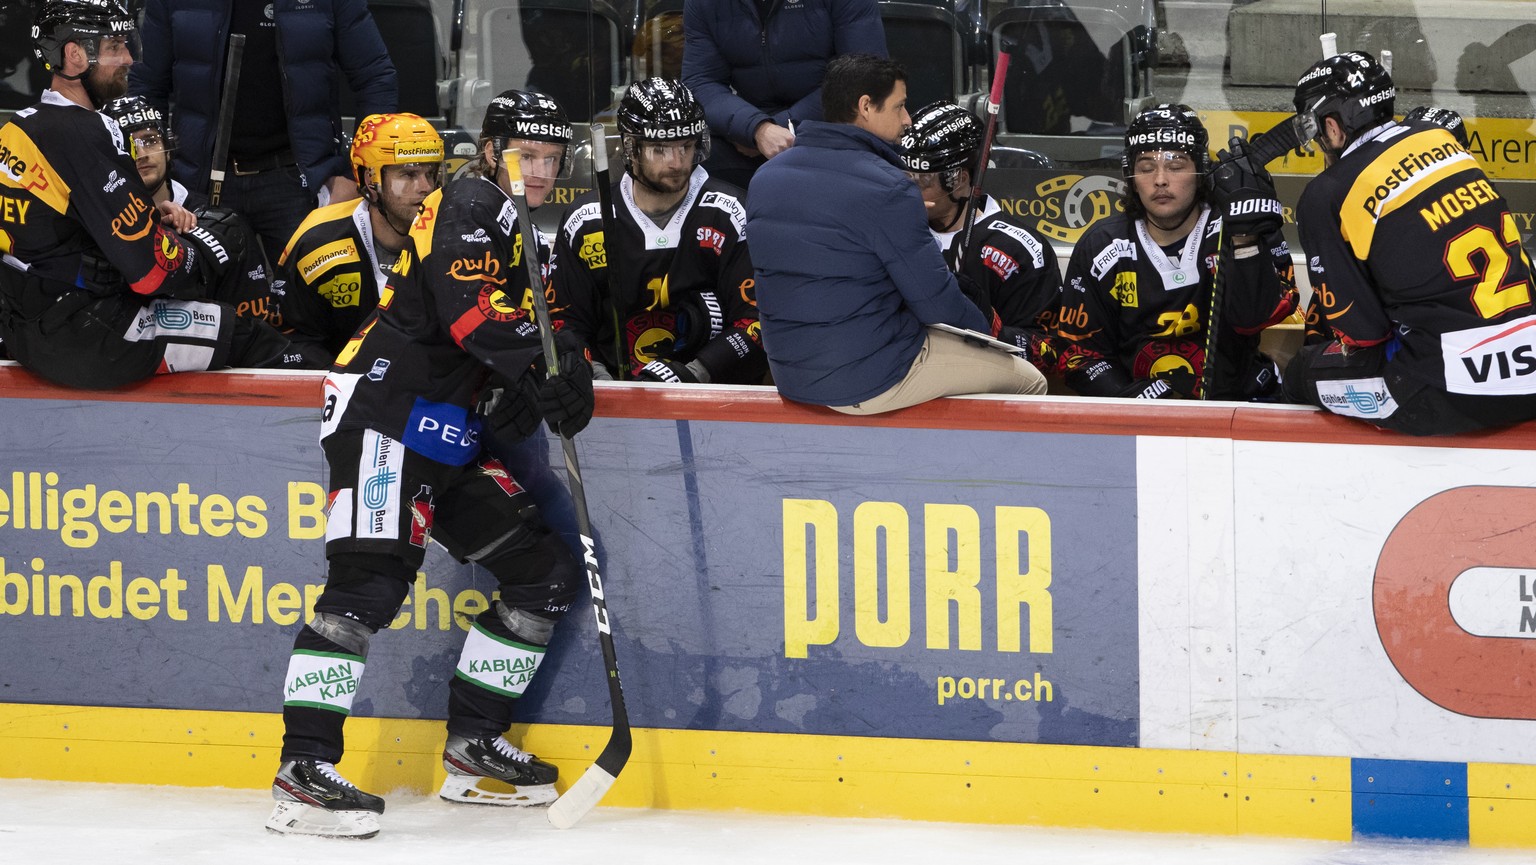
[950,546]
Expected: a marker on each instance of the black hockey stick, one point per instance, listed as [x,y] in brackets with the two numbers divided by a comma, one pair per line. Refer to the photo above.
[1264,148]
[605,202]
[994,102]
[590,788]
[226,117]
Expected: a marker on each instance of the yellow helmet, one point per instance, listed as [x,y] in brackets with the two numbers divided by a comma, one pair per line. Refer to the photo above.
[393,139]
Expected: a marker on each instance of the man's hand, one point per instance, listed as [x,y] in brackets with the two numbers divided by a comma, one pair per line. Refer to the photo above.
[772,139]
[176,216]
[1244,195]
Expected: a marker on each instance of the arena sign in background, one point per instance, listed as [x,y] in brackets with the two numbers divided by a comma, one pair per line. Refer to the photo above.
[935,584]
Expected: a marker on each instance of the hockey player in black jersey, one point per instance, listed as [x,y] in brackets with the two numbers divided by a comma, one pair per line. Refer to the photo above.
[95,291]
[1137,297]
[678,266]
[333,267]
[1010,270]
[228,246]
[402,438]
[1425,290]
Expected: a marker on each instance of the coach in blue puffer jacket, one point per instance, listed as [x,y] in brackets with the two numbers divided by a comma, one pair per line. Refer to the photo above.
[847,272]
[307,46]
[756,65]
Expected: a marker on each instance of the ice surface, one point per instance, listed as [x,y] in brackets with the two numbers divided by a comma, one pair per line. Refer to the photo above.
[96,824]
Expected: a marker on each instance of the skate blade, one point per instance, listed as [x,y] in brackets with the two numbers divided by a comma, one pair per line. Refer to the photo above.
[479,790]
[297,818]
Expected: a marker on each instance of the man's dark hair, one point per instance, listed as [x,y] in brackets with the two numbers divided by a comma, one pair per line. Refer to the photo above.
[850,76]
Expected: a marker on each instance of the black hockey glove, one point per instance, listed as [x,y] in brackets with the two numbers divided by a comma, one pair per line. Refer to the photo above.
[699,320]
[221,239]
[1244,194]
[566,400]
[99,276]
[667,372]
[511,409]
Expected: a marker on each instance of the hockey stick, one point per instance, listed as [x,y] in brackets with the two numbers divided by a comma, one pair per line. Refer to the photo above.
[226,117]
[605,202]
[590,788]
[994,102]
[1213,317]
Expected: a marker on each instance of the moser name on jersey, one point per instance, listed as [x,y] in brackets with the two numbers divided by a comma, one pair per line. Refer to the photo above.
[1496,360]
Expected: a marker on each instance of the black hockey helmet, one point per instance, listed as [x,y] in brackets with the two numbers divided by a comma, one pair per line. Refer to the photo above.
[1166,126]
[1444,118]
[529,116]
[661,109]
[134,113]
[943,137]
[1351,87]
[60,22]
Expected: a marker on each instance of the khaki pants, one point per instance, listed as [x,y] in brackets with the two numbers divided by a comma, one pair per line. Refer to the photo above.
[948,365]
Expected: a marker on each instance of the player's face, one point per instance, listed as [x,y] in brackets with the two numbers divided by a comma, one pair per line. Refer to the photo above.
[541,165]
[109,75]
[665,165]
[941,206]
[887,119]
[403,188]
[1166,182]
[150,157]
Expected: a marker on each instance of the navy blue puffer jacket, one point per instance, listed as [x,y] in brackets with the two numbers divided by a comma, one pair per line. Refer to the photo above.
[183,69]
[847,272]
[745,71]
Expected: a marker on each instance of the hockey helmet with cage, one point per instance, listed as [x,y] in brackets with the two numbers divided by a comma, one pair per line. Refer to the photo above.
[60,22]
[943,138]
[1444,118]
[1351,87]
[527,115]
[662,110]
[392,139]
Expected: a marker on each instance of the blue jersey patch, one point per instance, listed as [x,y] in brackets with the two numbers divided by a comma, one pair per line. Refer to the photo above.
[449,434]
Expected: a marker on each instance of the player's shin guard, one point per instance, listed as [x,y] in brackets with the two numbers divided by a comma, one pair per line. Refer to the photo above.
[500,657]
[312,797]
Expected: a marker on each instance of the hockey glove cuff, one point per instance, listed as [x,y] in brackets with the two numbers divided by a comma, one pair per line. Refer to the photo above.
[1244,194]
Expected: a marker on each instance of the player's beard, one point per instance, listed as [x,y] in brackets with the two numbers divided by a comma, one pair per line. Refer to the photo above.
[105,83]
[670,183]
[399,214]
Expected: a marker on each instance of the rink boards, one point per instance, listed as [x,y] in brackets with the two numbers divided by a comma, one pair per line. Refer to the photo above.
[1212,618]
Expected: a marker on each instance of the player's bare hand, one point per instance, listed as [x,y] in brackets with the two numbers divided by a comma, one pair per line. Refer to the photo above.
[176,216]
[772,139]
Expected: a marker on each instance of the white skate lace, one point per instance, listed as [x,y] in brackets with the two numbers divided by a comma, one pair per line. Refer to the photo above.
[329,771]
[507,750]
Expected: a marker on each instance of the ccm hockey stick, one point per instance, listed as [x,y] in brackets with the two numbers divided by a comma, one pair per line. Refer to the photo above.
[590,788]
[226,117]
[994,102]
[605,202]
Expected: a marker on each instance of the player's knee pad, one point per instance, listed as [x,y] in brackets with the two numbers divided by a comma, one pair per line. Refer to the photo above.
[533,568]
[366,587]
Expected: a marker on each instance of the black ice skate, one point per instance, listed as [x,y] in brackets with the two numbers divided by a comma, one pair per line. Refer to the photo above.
[313,799]
[492,772]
